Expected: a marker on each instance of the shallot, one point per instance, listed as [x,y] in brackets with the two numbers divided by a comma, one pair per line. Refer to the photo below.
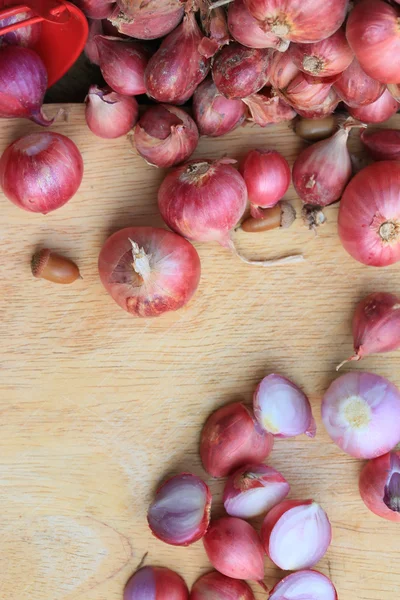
[96,9]
[165,135]
[369,215]
[282,70]
[231,438]
[246,30]
[306,93]
[26,36]
[361,413]
[214,22]
[253,490]
[214,114]
[216,586]
[267,108]
[180,513]
[356,88]
[305,584]
[319,111]
[380,485]
[156,583]
[40,172]
[149,271]
[147,20]
[379,111]
[108,114]
[383,144]
[296,534]
[325,58]
[122,63]
[91,50]
[376,325]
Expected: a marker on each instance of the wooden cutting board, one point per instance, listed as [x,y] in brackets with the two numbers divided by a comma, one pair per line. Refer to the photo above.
[97,407]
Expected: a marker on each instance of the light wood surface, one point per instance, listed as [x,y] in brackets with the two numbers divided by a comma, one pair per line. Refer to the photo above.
[98,407]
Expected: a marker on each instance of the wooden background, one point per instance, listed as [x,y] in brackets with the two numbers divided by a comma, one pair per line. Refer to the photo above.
[97,407]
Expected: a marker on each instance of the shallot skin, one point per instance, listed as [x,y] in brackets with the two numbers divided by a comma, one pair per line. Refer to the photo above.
[323,59]
[306,584]
[246,30]
[373,479]
[383,144]
[122,63]
[147,21]
[377,112]
[214,114]
[267,176]
[110,115]
[356,88]
[215,586]
[156,583]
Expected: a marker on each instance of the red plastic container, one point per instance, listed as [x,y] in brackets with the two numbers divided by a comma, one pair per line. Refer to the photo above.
[64,31]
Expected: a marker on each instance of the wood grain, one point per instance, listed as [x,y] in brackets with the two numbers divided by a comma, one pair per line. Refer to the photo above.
[97,407]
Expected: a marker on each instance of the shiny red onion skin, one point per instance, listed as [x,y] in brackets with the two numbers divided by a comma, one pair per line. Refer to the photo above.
[216,586]
[177,68]
[267,177]
[373,479]
[214,114]
[369,201]
[110,115]
[156,583]
[282,70]
[356,88]
[239,72]
[234,549]
[246,30]
[313,578]
[122,64]
[379,111]
[164,290]
[383,144]
[323,59]
[26,36]
[372,32]
[174,142]
[203,200]
[96,9]
[220,450]
[305,94]
[22,166]
[266,108]
[304,21]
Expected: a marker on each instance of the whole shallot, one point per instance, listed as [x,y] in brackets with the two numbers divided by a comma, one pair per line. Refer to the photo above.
[214,114]
[110,115]
[122,63]
[147,20]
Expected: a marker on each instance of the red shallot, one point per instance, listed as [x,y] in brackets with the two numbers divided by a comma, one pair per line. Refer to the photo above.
[380,485]
[361,413]
[305,584]
[215,25]
[246,30]
[165,135]
[96,9]
[282,70]
[356,88]
[122,63]
[108,114]
[216,586]
[149,271]
[306,93]
[379,111]
[231,437]
[373,33]
[383,144]
[41,171]
[376,325]
[323,59]
[147,20]
[296,534]
[253,490]
[91,50]
[26,36]
[319,111]
[267,177]
[282,409]
[214,114]
[267,108]
[369,215]
[177,68]
[156,583]
[239,72]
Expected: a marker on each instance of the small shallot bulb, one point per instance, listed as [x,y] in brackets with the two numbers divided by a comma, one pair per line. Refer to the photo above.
[325,58]
[304,585]
[305,92]
[122,63]
[267,177]
[165,135]
[356,88]
[383,144]
[282,409]
[246,30]
[180,513]
[376,325]
[215,586]
[156,583]
[361,413]
[231,438]
[296,534]
[53,267]
[214,114]
[253,490]
[380,485]
[379,111]
[108,114]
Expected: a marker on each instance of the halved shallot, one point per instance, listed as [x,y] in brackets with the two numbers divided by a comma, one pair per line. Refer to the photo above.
[304,585]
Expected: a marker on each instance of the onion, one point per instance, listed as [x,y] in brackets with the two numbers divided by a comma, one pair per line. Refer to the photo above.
[304,584]
[26,36]
[180,513]
[246,30]
[108,114]
[239,72]
[369,215]
[302,21]
[234,549]
[231,438]
[282,70]
[267,108]
[296,534]
[305,93]
[267,177]
[361,413]
[319,111]
[23,84]
[122,64]
[383,144]
[214,114]
[156,583]
[380,486]
[253,490]
[41,171]
[376,325]
[149,271]
[96,9]
[148,20]
[215,24]
[91,50]
[219,587]
[356,88]
[165,135]
[379,111]
[282,408]
[177,68]
[323,59]
[373,33]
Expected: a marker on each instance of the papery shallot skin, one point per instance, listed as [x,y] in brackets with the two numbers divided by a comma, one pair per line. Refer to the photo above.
[147,20]
[377,112]
[356,88]
[214,114]
[383,144]
[266,108]
[246,30]
[156,583]
[323,59]
[306,584]
[110,115]
[380,486]
[215,586]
